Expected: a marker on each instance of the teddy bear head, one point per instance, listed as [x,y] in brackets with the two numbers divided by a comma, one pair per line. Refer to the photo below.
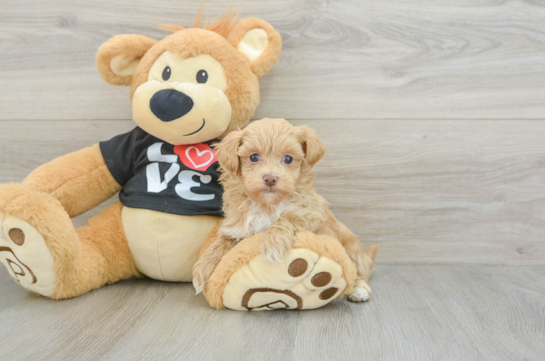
[197,84]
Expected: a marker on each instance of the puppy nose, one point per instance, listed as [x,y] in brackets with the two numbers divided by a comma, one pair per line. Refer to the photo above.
[170,104]
[270,179]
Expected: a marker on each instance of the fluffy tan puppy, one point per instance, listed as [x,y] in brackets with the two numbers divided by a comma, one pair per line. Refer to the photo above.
[266,175]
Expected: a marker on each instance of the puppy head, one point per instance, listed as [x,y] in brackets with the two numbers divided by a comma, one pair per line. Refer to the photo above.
[270,155]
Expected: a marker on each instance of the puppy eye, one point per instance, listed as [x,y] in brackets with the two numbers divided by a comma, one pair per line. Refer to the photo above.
[288,159]
[254,158]
[202,76]
[166,73]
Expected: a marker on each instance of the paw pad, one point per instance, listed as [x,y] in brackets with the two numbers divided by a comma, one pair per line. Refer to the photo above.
[321,279]
[17,236]
[303,281]
[297,267]
[327,294]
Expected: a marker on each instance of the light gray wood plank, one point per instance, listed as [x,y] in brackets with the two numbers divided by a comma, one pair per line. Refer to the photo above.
[341,59]
[434,192]
[426,191]
[415,313]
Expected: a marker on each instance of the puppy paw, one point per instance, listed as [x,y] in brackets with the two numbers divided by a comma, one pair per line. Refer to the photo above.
[275,246]
[360,293]
[272,253]
[201,275]
[198,285]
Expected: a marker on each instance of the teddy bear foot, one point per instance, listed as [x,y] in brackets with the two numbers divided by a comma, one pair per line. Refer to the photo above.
[25,254]
[314,273]
[303,281]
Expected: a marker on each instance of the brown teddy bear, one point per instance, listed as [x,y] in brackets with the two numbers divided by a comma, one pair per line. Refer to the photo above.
[188,91]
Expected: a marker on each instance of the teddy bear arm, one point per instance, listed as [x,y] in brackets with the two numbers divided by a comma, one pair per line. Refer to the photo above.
[79,180]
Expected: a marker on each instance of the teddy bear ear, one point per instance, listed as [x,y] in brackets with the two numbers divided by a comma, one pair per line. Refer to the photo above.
[118,58]
[259,42]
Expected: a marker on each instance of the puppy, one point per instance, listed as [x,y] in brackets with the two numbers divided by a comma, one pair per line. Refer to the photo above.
[268,188]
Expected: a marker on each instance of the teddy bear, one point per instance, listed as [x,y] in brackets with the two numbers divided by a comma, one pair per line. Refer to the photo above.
[187,91]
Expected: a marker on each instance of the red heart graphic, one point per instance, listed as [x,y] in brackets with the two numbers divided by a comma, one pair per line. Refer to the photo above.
[196,156]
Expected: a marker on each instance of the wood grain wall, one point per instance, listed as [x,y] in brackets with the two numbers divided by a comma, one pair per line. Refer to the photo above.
[431,110]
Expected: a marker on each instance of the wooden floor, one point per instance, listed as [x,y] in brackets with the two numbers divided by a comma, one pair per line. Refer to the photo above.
[433,113]
[415,313]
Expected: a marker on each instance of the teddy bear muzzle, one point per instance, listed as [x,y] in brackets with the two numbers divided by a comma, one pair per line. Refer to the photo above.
[181,113]
[170,104]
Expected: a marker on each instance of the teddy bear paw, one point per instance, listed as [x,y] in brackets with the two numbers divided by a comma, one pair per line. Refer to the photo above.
[25,254]
[304,280]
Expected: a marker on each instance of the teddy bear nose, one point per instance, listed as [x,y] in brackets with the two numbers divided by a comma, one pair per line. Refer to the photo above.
[270,179]
[170,104]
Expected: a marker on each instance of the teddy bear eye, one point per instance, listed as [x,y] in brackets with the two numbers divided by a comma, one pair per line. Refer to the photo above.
[166,73]
[288,159]
[254,158]
[202,76]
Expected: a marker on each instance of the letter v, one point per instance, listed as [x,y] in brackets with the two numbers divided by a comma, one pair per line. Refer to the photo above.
[154,177]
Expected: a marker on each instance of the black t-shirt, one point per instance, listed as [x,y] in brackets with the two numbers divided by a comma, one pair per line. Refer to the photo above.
[181,179]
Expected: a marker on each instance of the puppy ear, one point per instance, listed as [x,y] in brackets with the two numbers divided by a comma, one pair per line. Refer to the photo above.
[118,58]
[259,42]
[312,146]
[227,152]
